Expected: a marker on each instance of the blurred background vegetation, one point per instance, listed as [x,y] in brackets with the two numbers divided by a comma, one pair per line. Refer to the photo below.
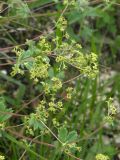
[96,25]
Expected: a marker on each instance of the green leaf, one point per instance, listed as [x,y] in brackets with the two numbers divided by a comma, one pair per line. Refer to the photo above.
[36,124]
[4,116]
[62,134]
[51,72]
[72,136]
[19,8]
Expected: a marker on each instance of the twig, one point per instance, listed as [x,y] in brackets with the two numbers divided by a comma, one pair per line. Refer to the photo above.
[6,64]
[12,114]
[29,139]
[72,79]
[26,104]
[73,156]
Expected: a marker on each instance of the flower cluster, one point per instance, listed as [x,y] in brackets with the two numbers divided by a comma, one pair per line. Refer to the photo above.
[42,113]
[2,157]
[57,84]
[2,126]
[53,107]
[101,157]
[71,54]
[33,121]
[16,68]
[69,92]
[55,122]
[62,24]
[39,68]
[52,87]
[71,147]
[34,59]
[44,46]
[69,2]
[112,111]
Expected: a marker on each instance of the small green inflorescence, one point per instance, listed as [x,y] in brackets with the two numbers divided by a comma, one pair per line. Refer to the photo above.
[112,111]
[2,157]
[102,157]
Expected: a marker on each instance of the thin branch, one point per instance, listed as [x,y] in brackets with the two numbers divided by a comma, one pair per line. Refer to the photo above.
[69,154]
[12,114]
[29,139]
[26,104]
[7,64]
[72,79]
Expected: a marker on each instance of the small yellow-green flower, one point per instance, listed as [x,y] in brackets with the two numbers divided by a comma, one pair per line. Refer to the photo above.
[2,126]
[62,24]
[112,110]
[2,157]
[57,84]
[101,157]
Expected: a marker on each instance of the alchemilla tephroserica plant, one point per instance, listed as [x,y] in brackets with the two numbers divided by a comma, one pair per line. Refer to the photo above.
[52,65]
[64,53]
